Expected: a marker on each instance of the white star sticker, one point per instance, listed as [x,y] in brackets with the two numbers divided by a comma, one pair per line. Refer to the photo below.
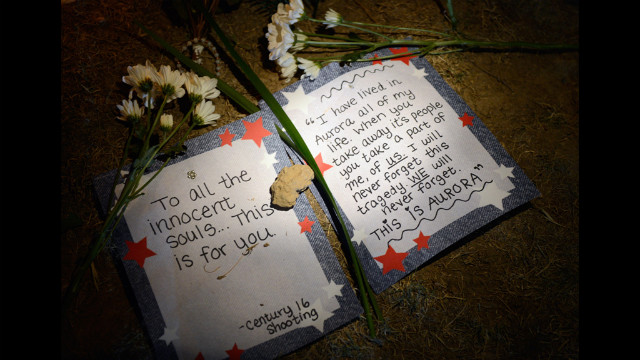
[358,236]
[322,315]
[419,73]
[269,160]
[504,172]
[169,335]
[492,195]
[298,100]
[333,289]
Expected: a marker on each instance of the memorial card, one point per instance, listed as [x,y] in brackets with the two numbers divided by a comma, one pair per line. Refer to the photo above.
[215,270]
[218,272]
[411,166]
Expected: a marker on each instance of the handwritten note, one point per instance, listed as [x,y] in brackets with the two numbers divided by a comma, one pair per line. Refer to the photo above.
[218,272]
[401,162]
[228,271]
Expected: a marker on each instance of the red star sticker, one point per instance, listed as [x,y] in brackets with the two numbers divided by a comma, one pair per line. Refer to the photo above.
[422,241]
[376,62]
[391,260]
[199,357]
[404,59]
[227,137]
[321,164]
[138,251]
[466,120]
[255,131]
[234,353]
[305,225]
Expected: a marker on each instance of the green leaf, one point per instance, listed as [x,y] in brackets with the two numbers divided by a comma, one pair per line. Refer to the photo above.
[366,293]
[286,138]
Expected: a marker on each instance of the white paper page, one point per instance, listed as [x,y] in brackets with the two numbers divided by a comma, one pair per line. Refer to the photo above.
[228,270]
[397,158]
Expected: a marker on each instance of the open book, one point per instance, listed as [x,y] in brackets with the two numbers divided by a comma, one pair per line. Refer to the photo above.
[217,271]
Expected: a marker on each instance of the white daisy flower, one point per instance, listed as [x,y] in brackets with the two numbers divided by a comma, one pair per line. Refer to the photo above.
[141,79]
[299,43]
[288,66]
[295,9]
[311,68]
[280,39]
[201,87]
[204,114]
[281,15]
[333,17]
[170,82]
[166,122]
[288,13]
[130,111]
[286,60]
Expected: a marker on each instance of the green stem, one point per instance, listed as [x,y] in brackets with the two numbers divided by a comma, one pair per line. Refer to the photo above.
[138,191]
[115,214]
[304,150]
[454,21]
[96,245]
[347,24]
[184,137]
[398,28]
[336,44]
[480,44]
[184,119]
[327,36]
[360,26]
[496,44]
[367,295]
[431,44]
[176,128]
[425,47]
[117,175]
[131,189]
[151,129]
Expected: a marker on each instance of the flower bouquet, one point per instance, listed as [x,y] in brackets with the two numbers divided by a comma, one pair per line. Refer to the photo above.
[152,131]
[287,42]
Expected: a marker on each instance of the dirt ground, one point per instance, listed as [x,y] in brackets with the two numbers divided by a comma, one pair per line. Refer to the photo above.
[509,291]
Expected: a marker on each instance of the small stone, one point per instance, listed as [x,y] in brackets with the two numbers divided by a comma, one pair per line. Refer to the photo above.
[291,181]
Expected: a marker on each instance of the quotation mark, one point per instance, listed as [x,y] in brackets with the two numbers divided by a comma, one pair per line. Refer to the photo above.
[478,167]
[191,174]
